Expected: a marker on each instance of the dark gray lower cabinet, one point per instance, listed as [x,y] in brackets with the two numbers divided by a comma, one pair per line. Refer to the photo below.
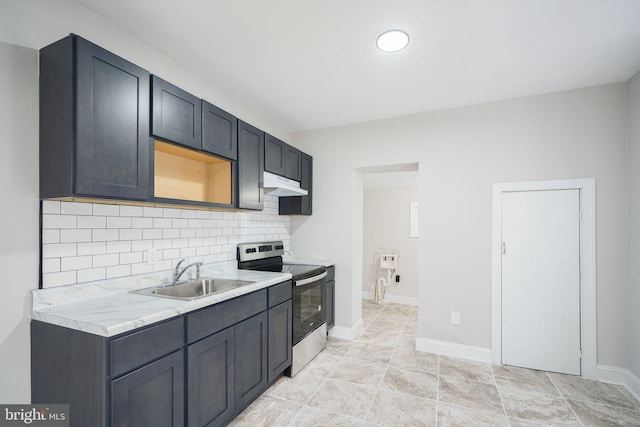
[150,396]
[211,380]
[330,298]
[250,359]
[199,369]
[280,335]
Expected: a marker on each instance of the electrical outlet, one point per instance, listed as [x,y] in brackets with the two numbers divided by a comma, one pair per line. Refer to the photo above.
[152,255]
[455,317]
[397,278]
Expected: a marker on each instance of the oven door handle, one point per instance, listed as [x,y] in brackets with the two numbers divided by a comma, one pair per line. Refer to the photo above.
[310,279]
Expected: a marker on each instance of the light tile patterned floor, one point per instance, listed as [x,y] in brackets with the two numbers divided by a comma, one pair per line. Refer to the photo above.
[379,379]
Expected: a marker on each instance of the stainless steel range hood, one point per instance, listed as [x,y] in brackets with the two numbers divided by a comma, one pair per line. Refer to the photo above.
[280,186]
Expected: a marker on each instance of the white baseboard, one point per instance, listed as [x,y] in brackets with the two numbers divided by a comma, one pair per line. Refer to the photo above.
[610,374]
[394,299]
[345,333]
[620,376]
[633,384]
[478,354]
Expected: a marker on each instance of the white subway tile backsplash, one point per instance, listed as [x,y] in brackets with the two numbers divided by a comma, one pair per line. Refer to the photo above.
[92,222]
[50,265]
[141,245]
[93,248]
[187,213]
[141,268]
[118,271]
[171,213]
[179,243]
[187,252]
[75,263]
[73,208]
[131,258]
[104,235]
[50,207]
[59,221]
[51,236]
[106,260]
[83,242]
[151,233]
[75,235]
[58,279]
[142,222]
[130,210]
[92,274]
[106,210]
[131,234]
[58,250]
[150,212]
[118,222]
[119,246]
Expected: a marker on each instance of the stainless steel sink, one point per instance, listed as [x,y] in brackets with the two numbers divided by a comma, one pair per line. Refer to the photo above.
[195,288]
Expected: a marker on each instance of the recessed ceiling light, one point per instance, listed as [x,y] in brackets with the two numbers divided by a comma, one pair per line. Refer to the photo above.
[392,41]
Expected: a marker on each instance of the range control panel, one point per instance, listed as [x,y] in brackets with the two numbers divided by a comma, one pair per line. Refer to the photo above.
[261,250]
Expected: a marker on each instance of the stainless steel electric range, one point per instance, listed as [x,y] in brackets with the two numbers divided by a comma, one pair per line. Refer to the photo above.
[309,326]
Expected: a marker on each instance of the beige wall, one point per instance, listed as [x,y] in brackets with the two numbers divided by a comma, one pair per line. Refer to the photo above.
[461,152]
[633,290]
[386,226]
[19,216]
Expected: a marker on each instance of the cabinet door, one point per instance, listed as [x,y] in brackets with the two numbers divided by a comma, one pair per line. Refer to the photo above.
[150,396]
[292,164]
[300,205]
[306,182]
[211,380]
[250,355]
[112,125]
[274,155]
[280,339]
[219,131]
[250,167]
[177,115]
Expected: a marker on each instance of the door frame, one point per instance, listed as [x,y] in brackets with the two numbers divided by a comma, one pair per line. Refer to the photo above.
[588,327]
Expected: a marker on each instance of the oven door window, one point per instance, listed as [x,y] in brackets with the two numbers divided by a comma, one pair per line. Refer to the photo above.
[307,309]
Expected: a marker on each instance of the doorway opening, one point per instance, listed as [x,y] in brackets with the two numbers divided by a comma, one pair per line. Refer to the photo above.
[390,246]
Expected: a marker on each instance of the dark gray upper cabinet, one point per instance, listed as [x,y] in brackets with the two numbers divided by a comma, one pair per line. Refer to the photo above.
[274,155]
[292,164]
[219,131]
[94,123]
[250,167]
[300,205]
[176,114]
[281,158]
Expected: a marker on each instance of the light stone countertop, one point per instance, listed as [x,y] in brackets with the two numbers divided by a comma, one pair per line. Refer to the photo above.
[288,258]
[109,308]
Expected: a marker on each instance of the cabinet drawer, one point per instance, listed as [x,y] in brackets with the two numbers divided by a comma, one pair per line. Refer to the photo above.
[279,293]
[138,348]
[224,314]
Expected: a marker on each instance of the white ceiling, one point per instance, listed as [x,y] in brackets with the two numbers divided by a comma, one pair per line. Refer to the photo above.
[313,64]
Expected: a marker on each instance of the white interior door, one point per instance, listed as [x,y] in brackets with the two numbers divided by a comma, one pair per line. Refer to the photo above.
[541,280]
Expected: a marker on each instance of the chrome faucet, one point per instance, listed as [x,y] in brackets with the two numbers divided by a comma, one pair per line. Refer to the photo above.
[177,272]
